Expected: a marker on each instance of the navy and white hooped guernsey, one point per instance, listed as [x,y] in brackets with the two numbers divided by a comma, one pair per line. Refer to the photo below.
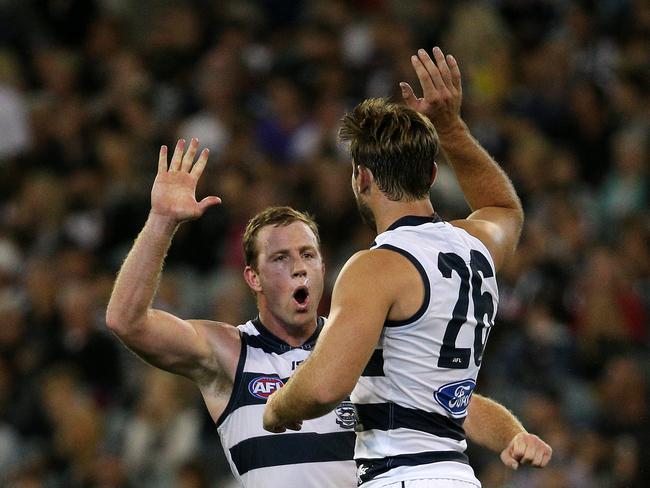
[412,398]
[320,455]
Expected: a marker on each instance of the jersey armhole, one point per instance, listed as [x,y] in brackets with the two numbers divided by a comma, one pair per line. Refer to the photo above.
[237,384]
[425,281]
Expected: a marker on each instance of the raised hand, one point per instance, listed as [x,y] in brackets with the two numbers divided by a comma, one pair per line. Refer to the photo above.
[525,448]
[441,87]
[173,194]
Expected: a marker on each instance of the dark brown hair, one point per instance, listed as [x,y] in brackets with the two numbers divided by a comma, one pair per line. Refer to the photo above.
[396,143]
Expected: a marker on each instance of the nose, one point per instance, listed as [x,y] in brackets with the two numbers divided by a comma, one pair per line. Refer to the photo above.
[299,268]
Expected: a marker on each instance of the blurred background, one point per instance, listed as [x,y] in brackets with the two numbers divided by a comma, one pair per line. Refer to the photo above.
[557,91]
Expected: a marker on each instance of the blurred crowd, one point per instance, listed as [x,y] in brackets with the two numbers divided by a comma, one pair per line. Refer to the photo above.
[557,91]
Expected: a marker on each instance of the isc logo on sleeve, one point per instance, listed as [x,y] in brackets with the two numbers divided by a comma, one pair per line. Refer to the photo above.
[263,386]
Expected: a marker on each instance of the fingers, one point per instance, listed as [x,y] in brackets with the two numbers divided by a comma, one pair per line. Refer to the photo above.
[188,159]
[455,72]
[529,454]
[543,453]
[538,456]
[432,69]
[184,162]
[428,88]
[530,449]
[439,77]
[546,458]
[508,460]
[443,67]
[162,159]
[297,425]
[408,95]
[199,166]
[518,448]
[177,156]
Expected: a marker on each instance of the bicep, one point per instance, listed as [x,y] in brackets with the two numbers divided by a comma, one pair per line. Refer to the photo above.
[171,343]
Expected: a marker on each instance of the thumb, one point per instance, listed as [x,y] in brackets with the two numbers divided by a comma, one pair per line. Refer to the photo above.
[508,460]
[209,202]
[408,95]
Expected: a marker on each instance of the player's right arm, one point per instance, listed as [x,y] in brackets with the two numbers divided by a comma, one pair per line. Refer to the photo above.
[497,216]
[493,426]
[190,348]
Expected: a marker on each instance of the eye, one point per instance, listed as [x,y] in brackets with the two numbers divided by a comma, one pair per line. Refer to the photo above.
[279,258]
[308,255]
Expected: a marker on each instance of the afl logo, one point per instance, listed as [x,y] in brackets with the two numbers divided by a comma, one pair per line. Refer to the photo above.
[454,397]
[263,386]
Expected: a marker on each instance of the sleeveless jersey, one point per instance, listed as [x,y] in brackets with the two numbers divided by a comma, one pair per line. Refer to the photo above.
[412,397]
[320,455]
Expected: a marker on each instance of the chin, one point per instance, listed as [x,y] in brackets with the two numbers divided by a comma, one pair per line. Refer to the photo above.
[303,317]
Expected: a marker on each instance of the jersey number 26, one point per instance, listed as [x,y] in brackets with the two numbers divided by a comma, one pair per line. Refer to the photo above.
[458,357]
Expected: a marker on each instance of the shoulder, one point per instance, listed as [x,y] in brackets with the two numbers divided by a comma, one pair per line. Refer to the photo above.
[374,270]
[488,233]
[497,228]
[381,260]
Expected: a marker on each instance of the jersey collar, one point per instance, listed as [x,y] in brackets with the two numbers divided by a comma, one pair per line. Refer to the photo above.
[414,220]
[277,344]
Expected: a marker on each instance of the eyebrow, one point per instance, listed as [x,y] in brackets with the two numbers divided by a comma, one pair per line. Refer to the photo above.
[287,251]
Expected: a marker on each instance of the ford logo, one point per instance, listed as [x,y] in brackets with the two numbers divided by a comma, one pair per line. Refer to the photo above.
[454,397]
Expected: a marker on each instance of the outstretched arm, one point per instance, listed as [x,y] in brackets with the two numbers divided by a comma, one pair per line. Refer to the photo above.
[166,341]
[491,425]
[497,215]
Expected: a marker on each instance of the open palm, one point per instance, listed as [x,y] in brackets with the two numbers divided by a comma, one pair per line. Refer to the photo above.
[442,89]
[174,190]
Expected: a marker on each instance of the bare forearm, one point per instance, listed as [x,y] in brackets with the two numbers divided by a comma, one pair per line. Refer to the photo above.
[490,424]
[138,278]
[481,179]
[296,407]
[299,401]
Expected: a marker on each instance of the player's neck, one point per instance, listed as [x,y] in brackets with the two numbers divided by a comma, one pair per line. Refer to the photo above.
[293,334]
[387,211]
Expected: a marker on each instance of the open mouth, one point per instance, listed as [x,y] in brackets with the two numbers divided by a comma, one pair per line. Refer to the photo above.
[301,295]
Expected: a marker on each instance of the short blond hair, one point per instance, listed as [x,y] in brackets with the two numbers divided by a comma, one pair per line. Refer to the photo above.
[276,216]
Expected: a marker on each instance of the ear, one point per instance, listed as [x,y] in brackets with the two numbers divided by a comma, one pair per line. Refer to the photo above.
[365,179]
[434,173]
[252,279]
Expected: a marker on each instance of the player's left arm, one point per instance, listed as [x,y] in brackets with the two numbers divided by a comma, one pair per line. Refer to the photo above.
[491,425]
[361,301]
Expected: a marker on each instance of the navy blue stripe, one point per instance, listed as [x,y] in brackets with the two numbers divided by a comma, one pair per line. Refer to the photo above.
[268,347]
[237,384]
[425,282]
[293,448]
[388,416]
[375,366]
[414,220]
[271,344]
[374,467]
